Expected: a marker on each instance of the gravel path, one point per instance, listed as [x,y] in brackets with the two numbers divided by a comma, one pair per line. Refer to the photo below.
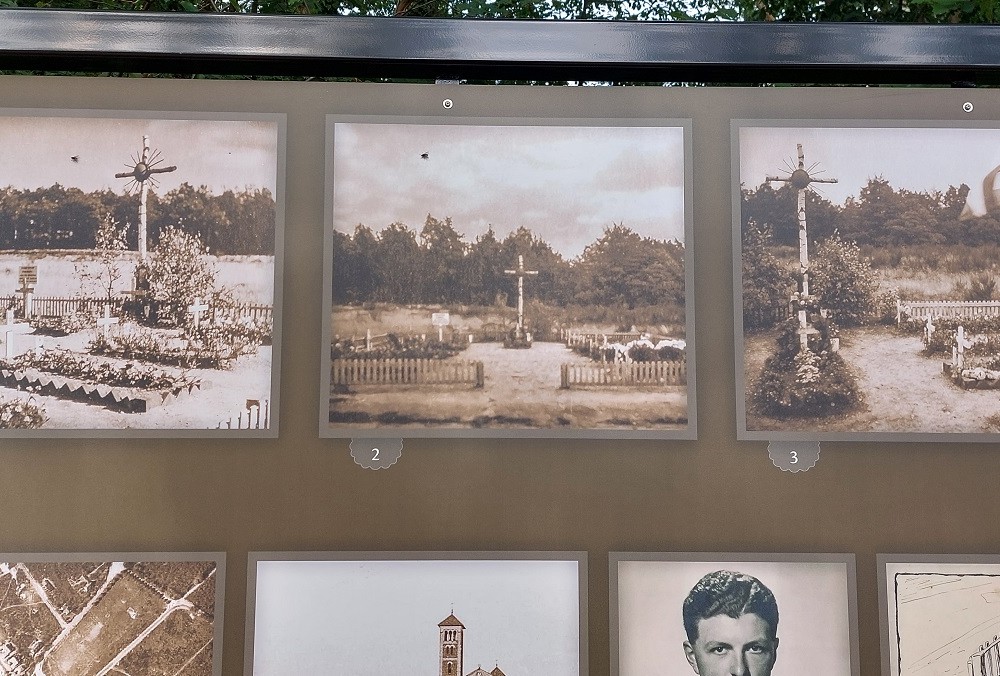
[904,391]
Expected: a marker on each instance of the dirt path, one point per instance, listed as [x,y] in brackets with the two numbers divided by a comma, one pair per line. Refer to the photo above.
[904,391]
[521,391]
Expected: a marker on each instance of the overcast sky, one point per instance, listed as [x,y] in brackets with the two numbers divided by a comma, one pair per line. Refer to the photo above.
[37,152]
[918,159]
[813,626]
[373,618]
[565,184]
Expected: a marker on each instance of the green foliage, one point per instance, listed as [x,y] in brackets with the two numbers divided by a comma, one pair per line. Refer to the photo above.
[179,272]
[767,283]
[844,281]
[805,383]
[67,218]
[20,414]
[621,271]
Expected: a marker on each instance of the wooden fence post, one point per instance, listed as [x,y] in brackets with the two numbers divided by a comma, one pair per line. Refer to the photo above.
[480,375]
[564,376]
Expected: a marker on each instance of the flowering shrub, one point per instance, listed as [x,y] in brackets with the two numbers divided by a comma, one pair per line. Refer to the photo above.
[21,415]
[129,374]
[766,282]
[812,382]
[845,282]
[179,272]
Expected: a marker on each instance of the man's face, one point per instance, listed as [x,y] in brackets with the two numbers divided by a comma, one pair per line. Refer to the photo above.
[744,646]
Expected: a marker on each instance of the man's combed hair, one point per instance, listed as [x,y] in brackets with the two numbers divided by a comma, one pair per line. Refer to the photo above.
[725,592]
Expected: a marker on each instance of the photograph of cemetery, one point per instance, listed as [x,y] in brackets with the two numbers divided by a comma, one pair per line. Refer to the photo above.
[442,617]
[77,618]
[137,273]
[508,277]
[943,618]
[868,279]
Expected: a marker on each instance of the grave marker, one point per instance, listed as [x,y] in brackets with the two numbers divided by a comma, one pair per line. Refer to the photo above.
[107,321]
[27,278]
[11,329]
[197,309]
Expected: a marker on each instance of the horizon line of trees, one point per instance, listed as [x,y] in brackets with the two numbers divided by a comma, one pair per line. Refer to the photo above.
[879,216]
[436,265]
[56,217]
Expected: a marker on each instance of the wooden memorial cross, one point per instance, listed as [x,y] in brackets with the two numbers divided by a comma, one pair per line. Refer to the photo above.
[800,179]
[196,309]
[141,174]
[27,277]
[107,321]
[520,272]
[11,329]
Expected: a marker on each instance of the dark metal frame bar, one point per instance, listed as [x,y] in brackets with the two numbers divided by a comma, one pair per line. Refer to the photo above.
[367,47]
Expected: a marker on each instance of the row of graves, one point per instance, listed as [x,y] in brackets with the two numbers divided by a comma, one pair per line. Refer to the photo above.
[113,352]
[618,359]
[967,331]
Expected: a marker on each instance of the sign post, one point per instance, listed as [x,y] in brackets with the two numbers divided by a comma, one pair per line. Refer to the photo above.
[440,320]
[27,278]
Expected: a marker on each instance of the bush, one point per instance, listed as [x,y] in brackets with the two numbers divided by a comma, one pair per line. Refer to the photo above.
[209,346]
[21,415]
[98,372]
[946,330]
[981,287]
[64,325]
[767,283]
[844,282]
[179,272]
[805,383]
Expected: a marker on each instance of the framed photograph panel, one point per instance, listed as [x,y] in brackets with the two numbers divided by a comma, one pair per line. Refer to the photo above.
[710,614]
[112,613]
[866,279]
[508,277]
[940,614]
[446,613]
[140,268]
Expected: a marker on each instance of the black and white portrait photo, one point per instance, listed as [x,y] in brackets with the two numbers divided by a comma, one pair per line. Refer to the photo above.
[729,617]
[869,299]
[138,273]
[446,617]
[508,277]
[941,615]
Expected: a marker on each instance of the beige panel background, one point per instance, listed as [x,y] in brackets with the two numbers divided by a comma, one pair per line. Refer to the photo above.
[299,492]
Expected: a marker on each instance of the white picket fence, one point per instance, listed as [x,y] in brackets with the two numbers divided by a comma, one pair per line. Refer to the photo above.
[922,309]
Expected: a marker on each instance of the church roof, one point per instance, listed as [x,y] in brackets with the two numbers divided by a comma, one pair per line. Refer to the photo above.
[451,621]
[479,672]
[497,672]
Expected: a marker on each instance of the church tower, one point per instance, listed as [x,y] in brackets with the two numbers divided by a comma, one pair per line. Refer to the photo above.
[451,643]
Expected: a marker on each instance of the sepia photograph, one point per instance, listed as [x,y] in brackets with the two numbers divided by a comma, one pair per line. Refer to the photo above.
[138,274]
[86,615]
[718,614]
[449,614]
[940,615]
[867,295]
[525,279]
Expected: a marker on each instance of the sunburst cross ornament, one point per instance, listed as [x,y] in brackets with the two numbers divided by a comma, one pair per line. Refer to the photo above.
[800,179]
[143,168]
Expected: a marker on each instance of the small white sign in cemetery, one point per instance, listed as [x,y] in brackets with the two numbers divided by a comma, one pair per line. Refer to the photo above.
[440,320]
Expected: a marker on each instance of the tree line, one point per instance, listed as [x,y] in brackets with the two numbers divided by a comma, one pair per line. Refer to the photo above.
[879,216]
[437,266]
[57,217]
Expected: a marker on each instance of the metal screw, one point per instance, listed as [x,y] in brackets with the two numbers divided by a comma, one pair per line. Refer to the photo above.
[447,103]
[967,106]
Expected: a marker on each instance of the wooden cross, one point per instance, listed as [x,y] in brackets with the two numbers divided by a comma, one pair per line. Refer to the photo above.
[800,179]
[107,322]
[197,309]
[27,293]
[11,329]
[142,173]
[520,272]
